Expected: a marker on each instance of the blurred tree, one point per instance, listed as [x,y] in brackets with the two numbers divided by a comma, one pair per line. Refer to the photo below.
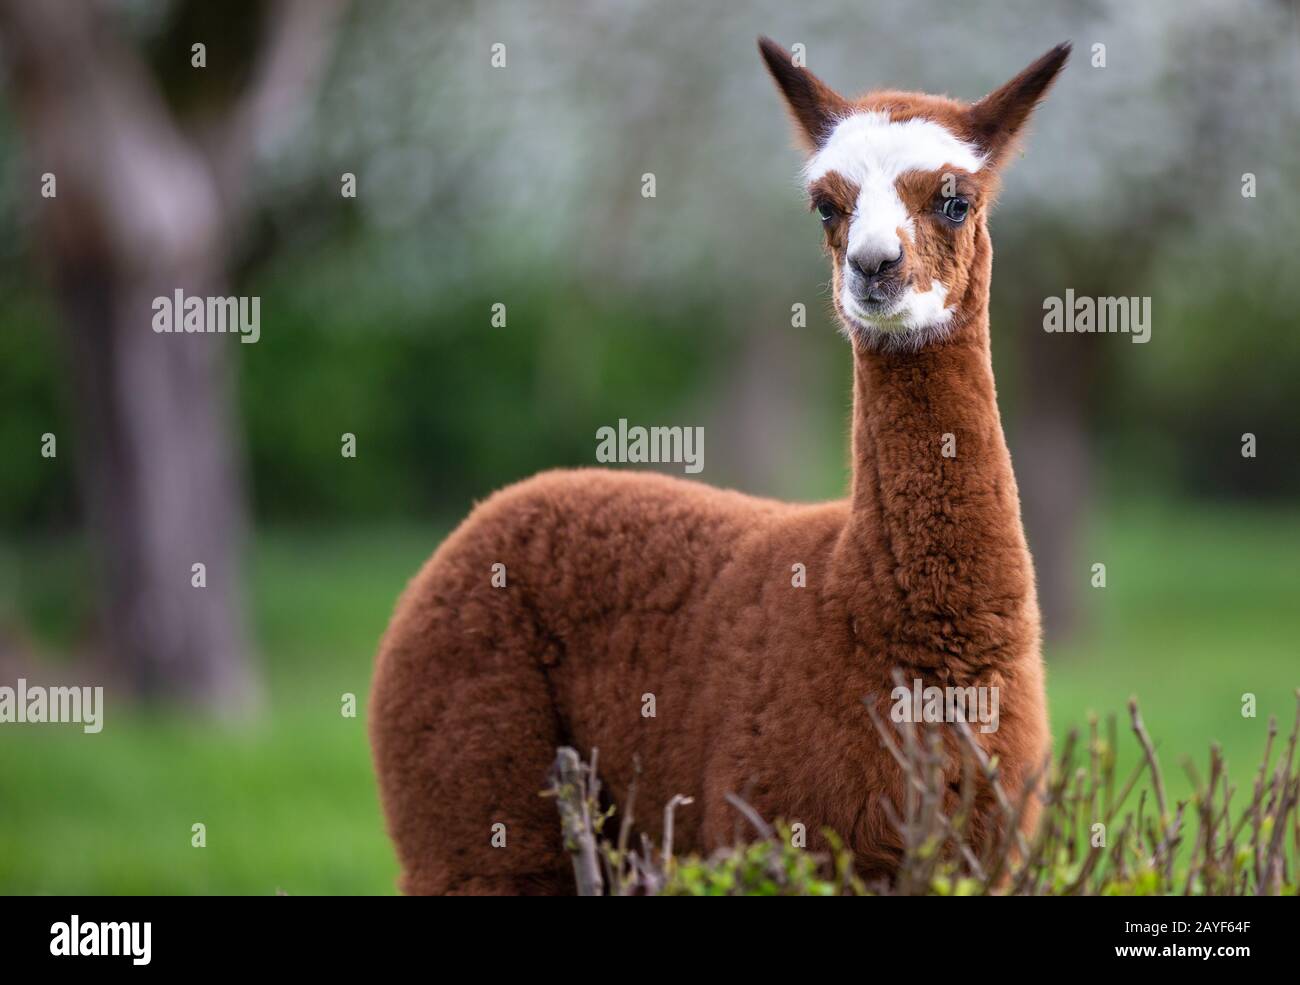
[151,158]
[1205,116]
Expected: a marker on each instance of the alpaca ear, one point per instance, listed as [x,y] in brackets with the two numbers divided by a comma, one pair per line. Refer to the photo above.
[997,119]
[816,107]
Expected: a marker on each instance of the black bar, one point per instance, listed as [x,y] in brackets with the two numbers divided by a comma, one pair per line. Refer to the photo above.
[299,936]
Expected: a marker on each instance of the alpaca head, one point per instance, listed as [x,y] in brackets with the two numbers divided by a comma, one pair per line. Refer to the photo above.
[902,183]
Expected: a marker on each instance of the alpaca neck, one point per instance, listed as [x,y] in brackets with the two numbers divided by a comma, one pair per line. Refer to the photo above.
[934,541]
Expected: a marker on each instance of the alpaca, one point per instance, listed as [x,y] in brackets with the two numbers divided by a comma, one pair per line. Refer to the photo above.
[569,604]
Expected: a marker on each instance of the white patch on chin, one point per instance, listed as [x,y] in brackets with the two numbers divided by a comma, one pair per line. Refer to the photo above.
[916,318]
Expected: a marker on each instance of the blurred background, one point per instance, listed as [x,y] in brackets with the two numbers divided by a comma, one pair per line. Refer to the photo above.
[520,184]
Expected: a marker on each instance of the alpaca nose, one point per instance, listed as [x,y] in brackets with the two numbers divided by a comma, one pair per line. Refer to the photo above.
[870,266]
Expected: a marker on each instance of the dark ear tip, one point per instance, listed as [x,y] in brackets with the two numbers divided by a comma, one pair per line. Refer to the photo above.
[1049,64]
[1060,54]
[770,50]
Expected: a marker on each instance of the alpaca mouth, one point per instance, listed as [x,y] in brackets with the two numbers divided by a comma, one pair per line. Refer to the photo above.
[875,309]
[876,298]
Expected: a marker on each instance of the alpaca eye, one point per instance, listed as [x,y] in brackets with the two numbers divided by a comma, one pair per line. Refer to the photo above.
[955,209]
[826,211]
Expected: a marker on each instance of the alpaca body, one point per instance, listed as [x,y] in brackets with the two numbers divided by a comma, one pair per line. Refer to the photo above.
[661,621]
[619,586]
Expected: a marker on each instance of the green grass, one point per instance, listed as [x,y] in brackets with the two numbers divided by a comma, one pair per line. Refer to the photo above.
[1201,607]
[288,803]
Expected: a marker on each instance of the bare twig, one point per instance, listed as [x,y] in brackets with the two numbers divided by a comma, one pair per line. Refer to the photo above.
[570,788]
[969,838]
[1150,750]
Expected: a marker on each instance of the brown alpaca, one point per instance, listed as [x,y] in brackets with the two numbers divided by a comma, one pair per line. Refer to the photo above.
[621,585]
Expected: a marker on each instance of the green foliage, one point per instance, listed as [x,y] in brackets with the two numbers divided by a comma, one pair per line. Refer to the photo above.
[447,407]
[35,391]
[774,867]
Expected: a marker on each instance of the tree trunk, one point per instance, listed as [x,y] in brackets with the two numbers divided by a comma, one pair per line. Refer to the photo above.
[144,207]
[161,489]
[136,215]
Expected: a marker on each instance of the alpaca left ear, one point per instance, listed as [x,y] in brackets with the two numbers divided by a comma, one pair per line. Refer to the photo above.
[815,106]
[996,120]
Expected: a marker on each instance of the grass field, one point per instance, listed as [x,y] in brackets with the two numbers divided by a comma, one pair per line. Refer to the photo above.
[1200,608]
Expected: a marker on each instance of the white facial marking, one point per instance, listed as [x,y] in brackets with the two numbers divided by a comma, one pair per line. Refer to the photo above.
[870,143]
[871,150]
[877,217]
[926,308]
[914,310]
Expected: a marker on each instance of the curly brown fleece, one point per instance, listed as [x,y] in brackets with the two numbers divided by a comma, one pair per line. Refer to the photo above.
[620,586]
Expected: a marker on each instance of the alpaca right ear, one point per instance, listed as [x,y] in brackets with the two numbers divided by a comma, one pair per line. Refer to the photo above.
[997,119]
[815,106]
